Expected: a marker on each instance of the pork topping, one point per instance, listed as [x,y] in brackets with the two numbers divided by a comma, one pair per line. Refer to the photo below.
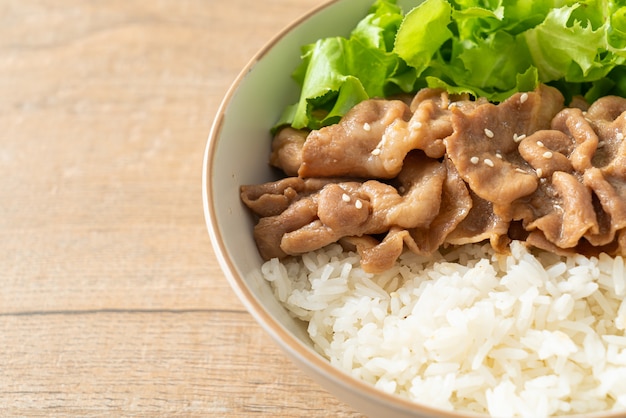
[445,171]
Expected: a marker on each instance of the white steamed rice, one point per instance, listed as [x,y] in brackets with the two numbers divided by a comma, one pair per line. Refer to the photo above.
[505,335]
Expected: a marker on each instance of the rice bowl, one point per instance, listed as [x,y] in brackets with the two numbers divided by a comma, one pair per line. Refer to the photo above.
[561,327]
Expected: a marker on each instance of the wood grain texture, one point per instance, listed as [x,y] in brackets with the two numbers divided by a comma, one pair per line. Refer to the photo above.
[112,302]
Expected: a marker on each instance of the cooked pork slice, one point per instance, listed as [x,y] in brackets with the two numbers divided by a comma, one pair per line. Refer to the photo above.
[607,108]
[425,131]
[481,224]
[569,212]
[287,150]
[607,178]
[378,256]
[420,184]
[608,117]
[538,240]
[431,121]
[483,149]
[547,151]
[348,147]
[573,123]
[614,153]
[270,230]
[373,139]
[611,208]
[272,198]
[456,203]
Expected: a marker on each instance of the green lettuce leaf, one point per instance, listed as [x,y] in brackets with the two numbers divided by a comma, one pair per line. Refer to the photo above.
[422,33]
[337,73]
[378,29]
[568,51]
[492,64]
[617,31]
[526,81]
[486,48]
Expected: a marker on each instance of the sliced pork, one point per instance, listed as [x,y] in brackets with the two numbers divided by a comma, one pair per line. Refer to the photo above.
[445,171]
[348,147]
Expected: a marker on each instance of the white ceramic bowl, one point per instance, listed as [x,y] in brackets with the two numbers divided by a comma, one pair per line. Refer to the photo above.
[237,153]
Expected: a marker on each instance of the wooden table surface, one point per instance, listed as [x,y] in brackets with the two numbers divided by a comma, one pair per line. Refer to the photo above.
[112,302]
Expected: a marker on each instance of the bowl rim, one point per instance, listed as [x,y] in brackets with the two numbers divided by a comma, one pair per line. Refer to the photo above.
[286,341]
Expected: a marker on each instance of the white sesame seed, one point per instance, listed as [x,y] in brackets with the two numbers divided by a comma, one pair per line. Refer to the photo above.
[547,154]
[488,162]
[601,144]
[367,127]
[519,170]
[474,160]
[498,155]
[518,138]
[376,151]
[358,204]
[521,137]
[489,133]
[619,136]
[345,197]
[523,97]
[539,144]
[539,172]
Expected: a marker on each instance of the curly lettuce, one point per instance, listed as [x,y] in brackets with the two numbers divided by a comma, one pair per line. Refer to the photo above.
[485,48]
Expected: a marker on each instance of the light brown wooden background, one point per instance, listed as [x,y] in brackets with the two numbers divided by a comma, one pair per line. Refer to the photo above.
[111,300]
